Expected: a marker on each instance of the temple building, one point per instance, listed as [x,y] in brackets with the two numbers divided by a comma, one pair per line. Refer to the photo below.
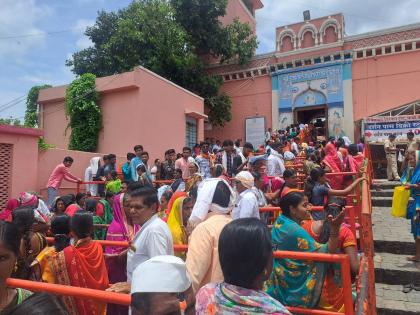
[319,75]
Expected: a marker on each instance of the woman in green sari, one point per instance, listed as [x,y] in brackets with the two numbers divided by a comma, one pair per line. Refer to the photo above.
[102,214]
[299,282]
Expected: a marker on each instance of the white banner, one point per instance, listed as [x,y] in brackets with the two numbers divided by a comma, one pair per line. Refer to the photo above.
[255,131]
[377,129]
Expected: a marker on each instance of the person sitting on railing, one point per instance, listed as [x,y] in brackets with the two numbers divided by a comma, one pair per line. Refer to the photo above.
[41,268]
[320,231]
[32,242]
[178,221]
[161,286]
[81,265]
[38,303]
[299,282]
[210,214]
[246,256]
[153,239]
[10,242]
[318,191]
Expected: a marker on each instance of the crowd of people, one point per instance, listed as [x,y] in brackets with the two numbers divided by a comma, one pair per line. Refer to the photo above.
[210,200]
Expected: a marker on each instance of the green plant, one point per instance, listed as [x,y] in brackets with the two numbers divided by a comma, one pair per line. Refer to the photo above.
[31,113]
[11,121]
[42,145]
[85,118]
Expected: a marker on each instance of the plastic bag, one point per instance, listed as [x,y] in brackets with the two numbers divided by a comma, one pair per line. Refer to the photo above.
[400,202]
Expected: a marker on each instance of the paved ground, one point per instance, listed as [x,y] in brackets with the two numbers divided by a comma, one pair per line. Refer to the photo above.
[393,244]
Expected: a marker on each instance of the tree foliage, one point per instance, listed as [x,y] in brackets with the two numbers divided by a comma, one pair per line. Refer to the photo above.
[11,121]
[170,38]
[85,119]
[31,113]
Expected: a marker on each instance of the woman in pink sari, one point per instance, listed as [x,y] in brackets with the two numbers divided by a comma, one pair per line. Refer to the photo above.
[121,229]
[333,164]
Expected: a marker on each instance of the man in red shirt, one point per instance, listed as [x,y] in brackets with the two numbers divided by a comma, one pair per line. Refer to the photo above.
[60,172]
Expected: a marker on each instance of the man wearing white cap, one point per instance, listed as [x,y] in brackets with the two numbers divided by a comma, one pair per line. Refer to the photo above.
[247,203]
[162,286]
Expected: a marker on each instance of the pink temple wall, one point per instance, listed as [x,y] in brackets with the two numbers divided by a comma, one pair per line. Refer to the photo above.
[235,9]
[24,166]
[385,82]
[136,107]
[249,97]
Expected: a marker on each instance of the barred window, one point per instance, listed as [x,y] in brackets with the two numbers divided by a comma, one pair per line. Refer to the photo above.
[191,132]
[5,172]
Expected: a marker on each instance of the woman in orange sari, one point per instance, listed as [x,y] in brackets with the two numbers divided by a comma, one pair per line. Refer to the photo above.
[82,265]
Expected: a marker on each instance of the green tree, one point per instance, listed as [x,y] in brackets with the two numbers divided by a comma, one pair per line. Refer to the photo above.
[31,113]
[84,113]
[11,121]
[169,38]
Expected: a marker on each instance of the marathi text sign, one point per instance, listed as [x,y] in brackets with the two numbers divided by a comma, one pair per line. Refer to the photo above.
[377,129]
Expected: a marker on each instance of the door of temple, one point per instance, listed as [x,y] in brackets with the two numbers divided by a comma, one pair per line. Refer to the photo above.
[316,115]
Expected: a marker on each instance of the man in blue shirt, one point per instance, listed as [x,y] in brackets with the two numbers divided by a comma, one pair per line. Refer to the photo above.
[138,150]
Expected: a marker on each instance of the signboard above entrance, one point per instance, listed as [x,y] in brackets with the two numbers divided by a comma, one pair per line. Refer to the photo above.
[377,129]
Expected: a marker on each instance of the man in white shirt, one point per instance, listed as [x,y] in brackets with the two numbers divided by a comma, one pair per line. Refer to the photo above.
[275,163]
[247,202]
[153,239]
[294,146]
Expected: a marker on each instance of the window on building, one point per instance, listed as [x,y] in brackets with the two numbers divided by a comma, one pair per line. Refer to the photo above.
[6,151]
[191,132]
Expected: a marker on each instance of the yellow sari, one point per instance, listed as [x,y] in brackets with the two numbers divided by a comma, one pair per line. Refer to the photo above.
[176,225]
[41,265]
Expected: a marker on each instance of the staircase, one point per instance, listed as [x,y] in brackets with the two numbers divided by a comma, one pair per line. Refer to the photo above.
[393,244]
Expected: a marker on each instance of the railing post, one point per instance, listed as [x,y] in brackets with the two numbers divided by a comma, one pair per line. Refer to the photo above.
[345,271]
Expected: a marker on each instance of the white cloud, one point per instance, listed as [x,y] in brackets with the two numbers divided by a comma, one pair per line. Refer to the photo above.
[19,33]
[79,28]
[360,15]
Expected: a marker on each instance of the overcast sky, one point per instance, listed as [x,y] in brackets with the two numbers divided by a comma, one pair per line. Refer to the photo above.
[37,36]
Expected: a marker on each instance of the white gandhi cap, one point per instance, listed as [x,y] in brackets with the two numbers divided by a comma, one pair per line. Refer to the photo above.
[164,274]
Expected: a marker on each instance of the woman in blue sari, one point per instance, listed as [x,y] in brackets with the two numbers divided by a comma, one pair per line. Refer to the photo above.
[411,178]
[299,282]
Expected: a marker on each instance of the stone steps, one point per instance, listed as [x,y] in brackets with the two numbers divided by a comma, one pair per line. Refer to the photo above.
[382,193]
[394,269]
[393,244]
[390,300]
[381,201]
